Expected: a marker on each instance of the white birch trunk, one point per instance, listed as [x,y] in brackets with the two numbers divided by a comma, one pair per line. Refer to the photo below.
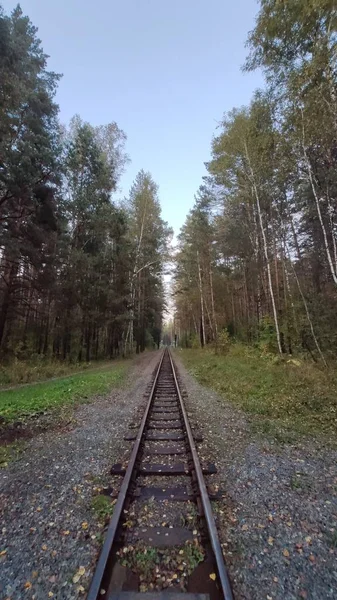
[203,340]
[265,248]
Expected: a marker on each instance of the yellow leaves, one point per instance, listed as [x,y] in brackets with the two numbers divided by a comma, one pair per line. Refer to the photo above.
[3,552]
[50,594]
[286,553]
[44,547]
[244,527]
[85,525]
[270,540]
[308,539]
[212,576]
[66,532]
[78,574]
[27,585]
[38,509]
[312,558]
[195,532]
[270,518]
[80,589]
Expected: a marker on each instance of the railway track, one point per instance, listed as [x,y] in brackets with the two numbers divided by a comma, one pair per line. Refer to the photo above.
[162,540]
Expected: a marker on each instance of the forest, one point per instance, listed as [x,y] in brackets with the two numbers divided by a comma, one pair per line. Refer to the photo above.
[81,272]
[256,260]
[257,255]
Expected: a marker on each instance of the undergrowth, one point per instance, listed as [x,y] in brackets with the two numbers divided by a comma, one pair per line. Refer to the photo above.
[39,369]
[284,398]
[29,400]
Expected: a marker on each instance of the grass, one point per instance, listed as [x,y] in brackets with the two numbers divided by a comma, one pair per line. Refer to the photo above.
[285,399]
[17,404]
[20,372]
[102,507]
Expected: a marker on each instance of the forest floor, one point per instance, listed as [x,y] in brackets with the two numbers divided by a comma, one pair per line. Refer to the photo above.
[50,509]
[29,372]
[278,518]
[28,409]
[284,400]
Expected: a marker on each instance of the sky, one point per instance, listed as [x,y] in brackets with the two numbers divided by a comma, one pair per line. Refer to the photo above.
[164,70]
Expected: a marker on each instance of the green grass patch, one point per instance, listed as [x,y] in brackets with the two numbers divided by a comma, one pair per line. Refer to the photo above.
[285,398]
[22,402]
[20,372]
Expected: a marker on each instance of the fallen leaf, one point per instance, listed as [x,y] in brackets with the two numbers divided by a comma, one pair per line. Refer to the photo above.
[66,532]
[312,558]
[85,525]
[244,527]
[286,553]
[78,574]
[50,594]
[44,547]
[80,589]
[212,576]
[27,585]
[270,540]
[3,552]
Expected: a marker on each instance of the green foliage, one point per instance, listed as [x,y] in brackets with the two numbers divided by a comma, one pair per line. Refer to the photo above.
[193,554]
[142,560]
[102,507]
[69,277]
[269,215]
[222,343]
[25,401]
[283,399]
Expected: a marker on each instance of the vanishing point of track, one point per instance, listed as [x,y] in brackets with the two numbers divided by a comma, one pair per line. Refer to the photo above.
[164,432]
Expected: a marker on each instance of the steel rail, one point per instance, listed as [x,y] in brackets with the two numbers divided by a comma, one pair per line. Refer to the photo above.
[211,526]
[96,581]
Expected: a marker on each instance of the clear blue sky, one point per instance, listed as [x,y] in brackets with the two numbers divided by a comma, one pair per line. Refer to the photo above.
[164,70]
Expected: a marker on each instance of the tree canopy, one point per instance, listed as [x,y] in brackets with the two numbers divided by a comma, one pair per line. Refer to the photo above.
[81,273]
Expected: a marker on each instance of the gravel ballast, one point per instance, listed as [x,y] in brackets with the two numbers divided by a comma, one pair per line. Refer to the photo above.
[278,519]
[50,537]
